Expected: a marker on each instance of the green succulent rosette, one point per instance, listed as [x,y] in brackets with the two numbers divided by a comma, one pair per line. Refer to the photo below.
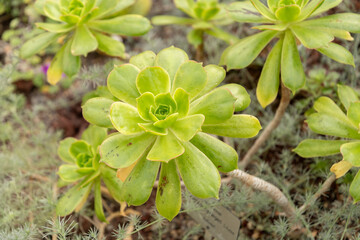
[206,16]
[84,170]
[166,106]
[330,120]
[83,26]
[288,21]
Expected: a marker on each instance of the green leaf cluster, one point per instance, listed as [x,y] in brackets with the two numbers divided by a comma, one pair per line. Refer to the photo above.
[288,21]
[82,25]
[165,103]
[84,170]
[205,17]
[329,119]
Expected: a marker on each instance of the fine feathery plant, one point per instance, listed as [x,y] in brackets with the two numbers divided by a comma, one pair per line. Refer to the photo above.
[83,27]
[206,16]
[330,120]
[166,105]
[288,21]
[84,168]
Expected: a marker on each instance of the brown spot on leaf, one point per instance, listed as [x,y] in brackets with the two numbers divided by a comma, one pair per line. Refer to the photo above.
[164,182]
[129,144]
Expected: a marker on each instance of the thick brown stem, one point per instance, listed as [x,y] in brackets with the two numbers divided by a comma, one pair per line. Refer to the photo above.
[284,102]
[273,192]
[324,188]
[200,54]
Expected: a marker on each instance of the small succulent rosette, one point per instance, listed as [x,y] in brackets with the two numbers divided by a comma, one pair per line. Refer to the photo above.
[83,26]
[206,16]
[329,119]
[289,21]
[167,104]
[84,170]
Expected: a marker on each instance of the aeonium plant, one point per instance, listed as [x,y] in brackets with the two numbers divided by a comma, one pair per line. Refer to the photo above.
[288,21]
[206,16]
[167,105]
[83,25]
[84,170]
[330,120]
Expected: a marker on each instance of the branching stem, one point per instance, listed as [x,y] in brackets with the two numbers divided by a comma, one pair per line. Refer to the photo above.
[324,188]
[284,102]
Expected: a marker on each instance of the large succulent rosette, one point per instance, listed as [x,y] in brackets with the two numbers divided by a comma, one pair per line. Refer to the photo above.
[85,172]
[83,26]
[289,22]
[167,104]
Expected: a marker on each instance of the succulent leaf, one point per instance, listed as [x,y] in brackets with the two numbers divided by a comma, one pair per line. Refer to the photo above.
[224,157]
[248,48]
[338,53]
[72,199]
[168,195]
[128,25]
[191,77]
[217,106]
[318,148]
[292,72]
[169,142]
[242,97]
[99,211]
[141,179]
[171,59]
[269,81]
[351,152]
[215,75]
[143,60]
[109,45]
[144,103]
[153,79]
[52,10]
[312,39]
[182,100]
[288,13]
[328,125]
[94,135]
[263,10]
[245,11]
[150,128]
[120,151]
[63,150]
[112,183]
[192,164]
[186,128]
[96,111]
[355,188]
[347,95]
[125,118]
[69,173]
[84,41]
[238,126]
[80,147]
[121,83]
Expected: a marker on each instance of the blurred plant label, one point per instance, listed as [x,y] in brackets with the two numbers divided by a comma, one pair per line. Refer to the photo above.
[218,221]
